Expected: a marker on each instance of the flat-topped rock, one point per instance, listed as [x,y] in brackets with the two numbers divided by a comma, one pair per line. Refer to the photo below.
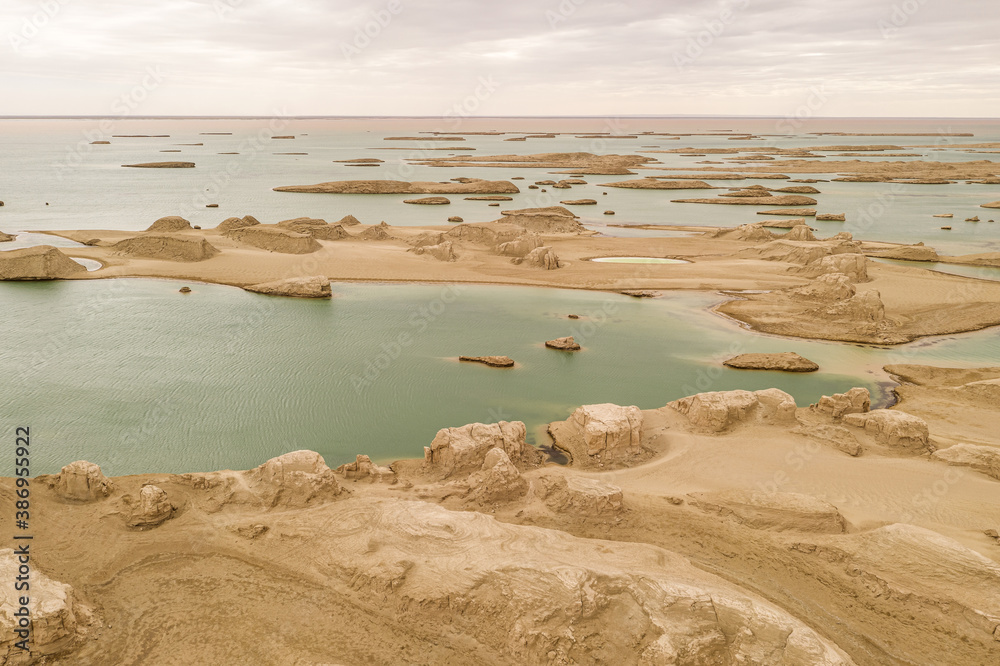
[580,495]
[564,344]
[985,459]
[609,430]
[42,262]
[300,287]
[231,223]
[492,361]
[784,362]
[657,184]
[832,217]
[429,201]
[794,212]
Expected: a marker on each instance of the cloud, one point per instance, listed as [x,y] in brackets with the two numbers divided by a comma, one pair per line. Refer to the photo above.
[554,57]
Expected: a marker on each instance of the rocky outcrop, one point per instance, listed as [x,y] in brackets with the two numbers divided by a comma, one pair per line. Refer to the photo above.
[429,201]
[6,238]
[81,481]
[275,239]
[57,621]
[166,248]
[170,223]
[442,251]
[491,234]
[827,288]
[464,449]
[605,431]
[721,410]
[564,344]
[832,217]
[992,204]
[784,224]
[854,266]
[302,287]
[800,232]
[499,480]
[364,468]
[784,362]
[471,186]
[837,437]
[378,232]
[42,262]
[893,428]
[295,479]
[772,511]
[793,252]
[580,495]
[918,252]
[985,459]
[865,310]
[152,509]
[231,223]
[541,257]
[492,361]
[318,229]
[839,405]
[520,247]
[579,202]
[796,212]
[751,233]
[549,220]
[349,221]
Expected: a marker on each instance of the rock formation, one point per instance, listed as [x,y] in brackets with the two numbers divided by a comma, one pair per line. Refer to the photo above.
[444,251]
[721,410]
[349,221]
[364,468]
[985,459]
[5,238]
[855,401]
[301,287]
[378,232]
[492,361]
[580,495]
[564,344]
[152,509]
[773,511]
[318,229]
[170,223]
[893,428]
[463,450]
[429,201]
[499,479]
[161,165]
[81,481]
[472,186]
[770,200]
[58,622]
[784,362]
[275,239]
[41,262]
[166,247]
[657,184]
[295,479]
[832,217]
[541,257]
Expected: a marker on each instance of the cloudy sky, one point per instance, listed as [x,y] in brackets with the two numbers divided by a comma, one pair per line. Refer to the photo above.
[509,57]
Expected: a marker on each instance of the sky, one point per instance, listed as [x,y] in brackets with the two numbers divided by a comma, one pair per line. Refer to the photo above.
[895,58]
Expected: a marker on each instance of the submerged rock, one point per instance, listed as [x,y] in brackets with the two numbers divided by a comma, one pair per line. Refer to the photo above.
[492,361]
[565,344]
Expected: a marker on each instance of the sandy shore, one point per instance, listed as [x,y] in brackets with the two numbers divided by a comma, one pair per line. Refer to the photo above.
[882,307]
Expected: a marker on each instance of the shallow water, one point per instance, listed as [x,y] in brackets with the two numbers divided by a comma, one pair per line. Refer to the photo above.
[137,377]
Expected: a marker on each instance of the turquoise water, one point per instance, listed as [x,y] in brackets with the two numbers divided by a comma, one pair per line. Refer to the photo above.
[137,377]
[52,162]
